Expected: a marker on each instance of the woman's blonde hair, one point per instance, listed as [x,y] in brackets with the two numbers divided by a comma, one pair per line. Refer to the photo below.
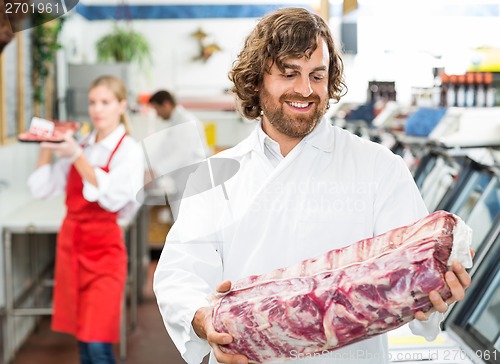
[119,90]
[285,33]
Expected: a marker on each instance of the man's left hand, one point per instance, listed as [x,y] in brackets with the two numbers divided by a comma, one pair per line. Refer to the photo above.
[458,280]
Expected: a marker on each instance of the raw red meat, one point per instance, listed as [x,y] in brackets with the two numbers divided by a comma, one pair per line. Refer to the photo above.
[343,296]
[60,128]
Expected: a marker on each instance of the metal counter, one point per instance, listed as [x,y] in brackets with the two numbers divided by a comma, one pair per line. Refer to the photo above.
[45,217]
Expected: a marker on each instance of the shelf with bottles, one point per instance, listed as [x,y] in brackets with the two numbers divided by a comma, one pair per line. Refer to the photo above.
[472,89]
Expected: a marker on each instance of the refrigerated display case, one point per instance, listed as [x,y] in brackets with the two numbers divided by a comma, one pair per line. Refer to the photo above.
[436,176]
[470,184]
[475,321]
[485,215]
[475,197]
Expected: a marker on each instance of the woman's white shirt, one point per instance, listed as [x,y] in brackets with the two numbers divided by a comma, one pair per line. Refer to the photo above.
[116,190]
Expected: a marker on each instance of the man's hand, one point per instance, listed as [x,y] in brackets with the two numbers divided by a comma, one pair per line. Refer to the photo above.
[458,280]
[202,325]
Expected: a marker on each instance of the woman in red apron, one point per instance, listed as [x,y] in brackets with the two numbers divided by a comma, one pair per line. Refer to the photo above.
[91,259]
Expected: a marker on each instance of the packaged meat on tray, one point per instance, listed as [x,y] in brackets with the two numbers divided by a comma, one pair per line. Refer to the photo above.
[345,295]
[48,131]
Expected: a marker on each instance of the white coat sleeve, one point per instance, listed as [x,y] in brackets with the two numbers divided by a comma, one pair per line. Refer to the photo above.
[429,328]
[189,270]
[49,180]
[118,187]
[399,203]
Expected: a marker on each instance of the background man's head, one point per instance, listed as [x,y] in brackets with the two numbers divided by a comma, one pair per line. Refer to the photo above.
[164,104]
[285,33]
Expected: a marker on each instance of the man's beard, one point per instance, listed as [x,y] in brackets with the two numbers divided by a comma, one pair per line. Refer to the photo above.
[296,126]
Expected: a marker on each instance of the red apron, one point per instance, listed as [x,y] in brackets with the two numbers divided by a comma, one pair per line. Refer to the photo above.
[91,268]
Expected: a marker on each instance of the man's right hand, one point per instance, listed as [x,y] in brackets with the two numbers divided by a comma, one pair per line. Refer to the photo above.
[202,325]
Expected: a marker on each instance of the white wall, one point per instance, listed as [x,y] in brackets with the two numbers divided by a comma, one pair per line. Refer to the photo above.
[173,48]
[397,40]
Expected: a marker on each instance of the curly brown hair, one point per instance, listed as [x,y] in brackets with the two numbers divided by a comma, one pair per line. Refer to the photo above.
[285,33]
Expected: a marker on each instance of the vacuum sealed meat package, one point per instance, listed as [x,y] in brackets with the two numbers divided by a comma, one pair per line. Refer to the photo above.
[345,295]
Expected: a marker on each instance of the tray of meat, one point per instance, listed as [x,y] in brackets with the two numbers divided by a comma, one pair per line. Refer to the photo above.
[42,130]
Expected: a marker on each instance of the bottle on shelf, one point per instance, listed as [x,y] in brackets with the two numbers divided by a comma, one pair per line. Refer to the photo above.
[451,94]
[470,90]
[461,91]
[480,93]
[489,89]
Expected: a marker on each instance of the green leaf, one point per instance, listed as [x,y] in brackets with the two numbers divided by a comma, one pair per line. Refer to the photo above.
[124,45]
[44,49]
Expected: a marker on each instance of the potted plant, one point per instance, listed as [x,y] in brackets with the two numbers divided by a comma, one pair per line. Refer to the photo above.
[117,52]
[124,45]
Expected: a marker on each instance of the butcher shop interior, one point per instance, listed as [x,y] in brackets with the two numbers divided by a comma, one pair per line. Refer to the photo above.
[422,86]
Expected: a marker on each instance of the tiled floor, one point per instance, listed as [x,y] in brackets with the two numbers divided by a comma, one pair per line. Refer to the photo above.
[149,343]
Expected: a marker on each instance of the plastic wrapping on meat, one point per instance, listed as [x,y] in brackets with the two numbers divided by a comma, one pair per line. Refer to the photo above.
[344,296]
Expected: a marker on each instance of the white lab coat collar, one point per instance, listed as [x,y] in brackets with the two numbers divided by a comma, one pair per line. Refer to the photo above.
[176,117]
[110,141]
[322,137]
[180,115]
[264,138]
[262,135]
